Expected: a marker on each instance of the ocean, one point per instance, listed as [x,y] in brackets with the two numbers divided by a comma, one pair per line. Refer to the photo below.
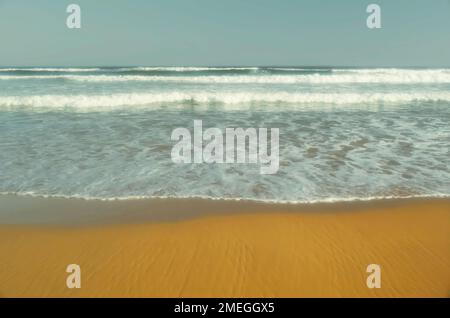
[105,132]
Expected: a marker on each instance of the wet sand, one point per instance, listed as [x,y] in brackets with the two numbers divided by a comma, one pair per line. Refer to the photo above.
[204,248]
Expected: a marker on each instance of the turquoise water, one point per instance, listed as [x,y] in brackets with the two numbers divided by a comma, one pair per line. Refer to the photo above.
[345,134]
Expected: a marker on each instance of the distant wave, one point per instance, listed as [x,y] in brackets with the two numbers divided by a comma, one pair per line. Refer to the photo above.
[219,68]
[49,69]
[390,70]
[128,70]
[189,69]
[368,76]
[157,68]
[141,99]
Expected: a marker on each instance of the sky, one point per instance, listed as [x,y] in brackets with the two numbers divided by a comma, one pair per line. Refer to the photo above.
[225,33]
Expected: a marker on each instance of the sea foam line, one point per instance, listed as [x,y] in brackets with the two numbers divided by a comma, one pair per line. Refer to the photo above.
[227,98]
[250,79]
[235,199]
[50,69]
[337,77]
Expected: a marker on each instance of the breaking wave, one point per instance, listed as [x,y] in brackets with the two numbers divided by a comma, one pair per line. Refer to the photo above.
[235,75]
[142,99]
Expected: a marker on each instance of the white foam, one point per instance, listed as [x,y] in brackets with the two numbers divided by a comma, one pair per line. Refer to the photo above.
[248,199]
[189,68]
[337,77]
[50,69]
[297,69]
[227,98]
[390,70]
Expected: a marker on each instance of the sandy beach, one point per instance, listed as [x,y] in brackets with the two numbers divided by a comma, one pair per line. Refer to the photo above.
[239,249]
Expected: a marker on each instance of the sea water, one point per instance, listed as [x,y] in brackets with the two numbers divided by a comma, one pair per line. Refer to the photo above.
[345,134]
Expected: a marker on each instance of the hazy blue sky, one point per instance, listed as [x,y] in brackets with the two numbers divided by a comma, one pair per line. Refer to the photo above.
[226,32]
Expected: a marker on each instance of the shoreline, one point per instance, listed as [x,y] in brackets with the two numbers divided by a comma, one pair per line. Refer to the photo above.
[231,251]
[18,209]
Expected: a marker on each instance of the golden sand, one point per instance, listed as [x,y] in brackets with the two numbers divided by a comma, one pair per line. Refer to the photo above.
[268,254]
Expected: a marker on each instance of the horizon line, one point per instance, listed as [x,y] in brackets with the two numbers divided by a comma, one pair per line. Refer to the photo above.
[223,66]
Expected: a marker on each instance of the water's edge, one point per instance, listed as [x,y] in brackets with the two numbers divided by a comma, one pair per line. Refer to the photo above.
[26,210]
